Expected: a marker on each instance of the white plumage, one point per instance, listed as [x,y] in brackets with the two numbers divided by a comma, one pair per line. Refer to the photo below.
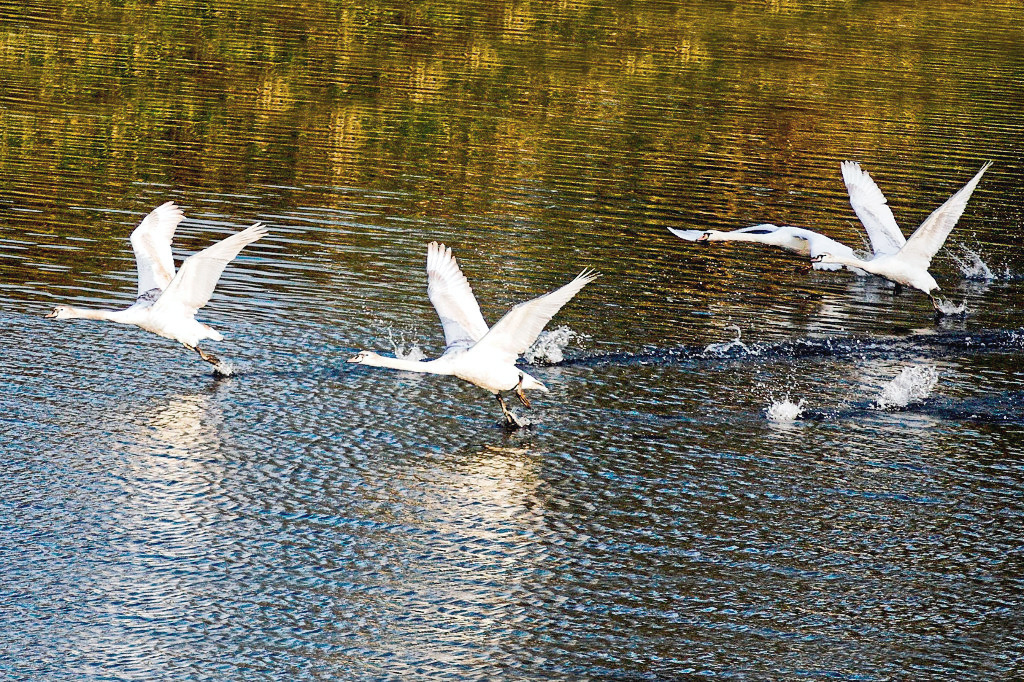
[167,301]
[796,239]
[484,357]
[908,263]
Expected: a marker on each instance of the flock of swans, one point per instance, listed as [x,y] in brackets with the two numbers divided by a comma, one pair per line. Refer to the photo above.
[168,301]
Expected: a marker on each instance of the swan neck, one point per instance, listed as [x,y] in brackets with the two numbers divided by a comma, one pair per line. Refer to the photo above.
[732,237]
[853,261]
[401,364]
[97,314]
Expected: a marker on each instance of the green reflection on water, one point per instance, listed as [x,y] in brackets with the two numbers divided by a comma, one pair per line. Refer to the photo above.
[99,95]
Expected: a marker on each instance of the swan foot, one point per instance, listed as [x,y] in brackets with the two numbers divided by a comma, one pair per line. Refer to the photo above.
[897,289]
[220,369]
[209,357]
[510,420]
[519,392]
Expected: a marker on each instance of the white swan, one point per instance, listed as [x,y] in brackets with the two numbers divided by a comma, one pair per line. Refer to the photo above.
[473,353]
[796,239]
[906,260]
[167,302]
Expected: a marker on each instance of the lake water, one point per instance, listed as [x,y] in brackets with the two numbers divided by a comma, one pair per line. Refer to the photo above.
[741,471]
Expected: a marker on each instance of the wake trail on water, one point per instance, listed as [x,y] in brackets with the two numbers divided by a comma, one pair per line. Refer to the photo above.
[927,345]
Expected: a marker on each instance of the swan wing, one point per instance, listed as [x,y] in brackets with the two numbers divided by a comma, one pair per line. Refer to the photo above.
[151,241]
[192,287]
[931,235]
[453,299]
[520,327]
[872,209]
[762,230]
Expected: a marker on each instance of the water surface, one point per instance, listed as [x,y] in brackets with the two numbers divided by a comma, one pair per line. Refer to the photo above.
[309,519]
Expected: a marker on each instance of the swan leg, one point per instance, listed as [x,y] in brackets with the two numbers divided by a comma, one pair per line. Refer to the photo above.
[897,289]
[209,357]
[510,419]
[519,392]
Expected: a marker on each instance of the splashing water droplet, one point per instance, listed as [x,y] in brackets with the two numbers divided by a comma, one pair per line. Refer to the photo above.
[972,266]
[410,351]
[912,385]
[728,347]
[784,411]
[950,308]
[223,369]
[549,346]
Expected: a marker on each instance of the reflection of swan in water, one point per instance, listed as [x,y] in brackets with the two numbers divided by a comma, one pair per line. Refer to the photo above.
[484,357]
[909,263]
[480,540]
[163,528]
[178,440]
[167,302]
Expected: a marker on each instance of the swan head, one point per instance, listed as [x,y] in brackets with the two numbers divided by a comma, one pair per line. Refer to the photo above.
[706,237]
[364,357]
[824,258]
[61,312]
[532,384]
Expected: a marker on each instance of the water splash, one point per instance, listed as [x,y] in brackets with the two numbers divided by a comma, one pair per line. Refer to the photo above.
[972,266]
[951,309]
[404,350]
[784,411]
[548,347]
[912,385]
[734,347]
[223,369]
[1008,275]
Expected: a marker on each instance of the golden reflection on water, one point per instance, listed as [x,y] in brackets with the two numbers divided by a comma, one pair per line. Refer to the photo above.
[116,93]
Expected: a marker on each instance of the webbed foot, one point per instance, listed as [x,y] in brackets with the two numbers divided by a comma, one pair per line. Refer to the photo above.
[510,421]
[519,392]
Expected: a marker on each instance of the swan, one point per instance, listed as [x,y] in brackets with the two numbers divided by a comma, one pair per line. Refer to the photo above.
[483,357]
[905,261]
[167,301]
[796,239]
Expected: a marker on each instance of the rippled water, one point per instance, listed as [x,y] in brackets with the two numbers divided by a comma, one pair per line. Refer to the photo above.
[741,470]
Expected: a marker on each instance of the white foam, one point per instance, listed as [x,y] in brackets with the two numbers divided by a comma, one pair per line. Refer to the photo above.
[784,411]
[913,384]
[549,346]
[950,308]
